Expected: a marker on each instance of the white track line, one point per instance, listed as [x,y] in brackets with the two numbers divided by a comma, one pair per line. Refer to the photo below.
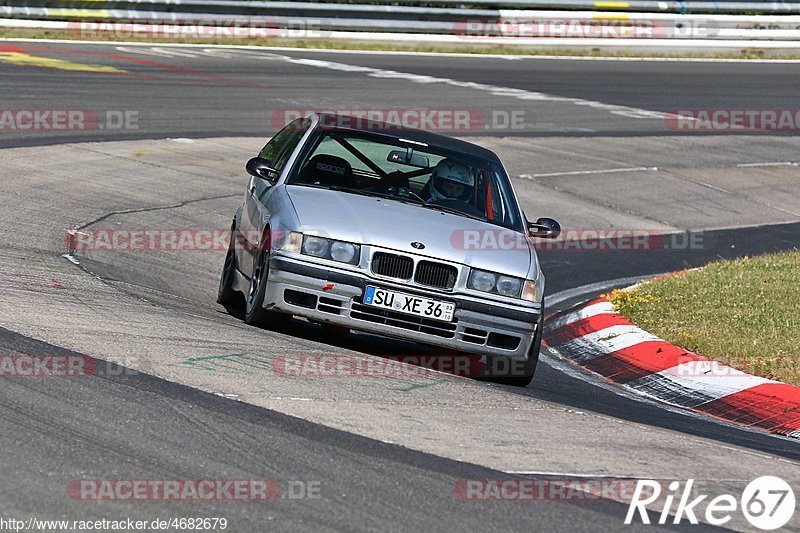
[496,90]
[568,294]
[585,172]
[561,475]
[772,164]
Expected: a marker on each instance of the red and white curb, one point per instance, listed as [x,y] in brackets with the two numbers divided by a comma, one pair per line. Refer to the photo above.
[596,337]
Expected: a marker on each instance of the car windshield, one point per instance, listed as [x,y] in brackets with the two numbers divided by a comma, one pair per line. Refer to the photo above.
[411,172]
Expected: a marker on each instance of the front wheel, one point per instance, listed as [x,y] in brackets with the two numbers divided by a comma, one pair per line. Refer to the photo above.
[255,314]
[522,377]
[227,295]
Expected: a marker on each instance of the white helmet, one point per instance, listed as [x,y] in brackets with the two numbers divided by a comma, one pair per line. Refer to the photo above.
[451,179]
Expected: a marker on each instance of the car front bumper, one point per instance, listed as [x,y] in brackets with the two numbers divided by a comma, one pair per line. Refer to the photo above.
[333,296]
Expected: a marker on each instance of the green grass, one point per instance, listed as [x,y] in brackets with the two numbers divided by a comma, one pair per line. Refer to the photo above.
[331,44]
[744,313]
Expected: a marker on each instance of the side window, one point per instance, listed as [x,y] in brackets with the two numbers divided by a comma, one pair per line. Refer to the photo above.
[280,147]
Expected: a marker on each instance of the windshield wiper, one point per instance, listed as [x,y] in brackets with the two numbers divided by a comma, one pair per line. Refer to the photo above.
[398,197]
[453,211]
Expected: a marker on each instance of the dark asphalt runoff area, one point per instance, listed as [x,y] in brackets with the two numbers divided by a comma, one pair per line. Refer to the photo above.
[119,424]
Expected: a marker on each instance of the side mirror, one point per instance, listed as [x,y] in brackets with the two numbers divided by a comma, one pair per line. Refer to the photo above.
[544,228]
[261,168]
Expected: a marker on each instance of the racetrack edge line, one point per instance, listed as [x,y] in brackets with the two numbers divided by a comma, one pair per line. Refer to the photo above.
[598,339]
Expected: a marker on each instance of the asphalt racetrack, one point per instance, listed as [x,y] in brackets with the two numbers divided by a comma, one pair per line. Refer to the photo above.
[184,390]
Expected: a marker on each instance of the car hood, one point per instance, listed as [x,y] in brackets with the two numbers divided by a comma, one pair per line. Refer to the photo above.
[395,225]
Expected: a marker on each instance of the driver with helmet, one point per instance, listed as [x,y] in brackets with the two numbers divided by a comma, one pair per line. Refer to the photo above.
[451,180]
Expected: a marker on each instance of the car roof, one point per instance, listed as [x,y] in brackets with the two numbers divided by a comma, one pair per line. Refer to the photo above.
[339,122]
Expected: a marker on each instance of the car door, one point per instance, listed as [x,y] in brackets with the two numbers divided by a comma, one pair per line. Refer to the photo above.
[255,213]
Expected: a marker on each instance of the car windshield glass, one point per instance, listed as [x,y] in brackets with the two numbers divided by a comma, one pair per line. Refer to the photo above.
[432,177]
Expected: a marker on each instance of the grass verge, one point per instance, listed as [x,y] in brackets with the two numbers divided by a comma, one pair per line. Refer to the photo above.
[386,46]
[744,313]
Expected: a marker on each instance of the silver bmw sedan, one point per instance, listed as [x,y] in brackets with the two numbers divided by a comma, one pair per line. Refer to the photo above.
[374,227]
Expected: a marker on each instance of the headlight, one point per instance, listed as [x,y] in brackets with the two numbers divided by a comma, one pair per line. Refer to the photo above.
[316,246]
[482,281]
[343,252]
[509,286]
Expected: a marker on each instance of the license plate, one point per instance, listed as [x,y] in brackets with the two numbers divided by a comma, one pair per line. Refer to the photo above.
[408,304]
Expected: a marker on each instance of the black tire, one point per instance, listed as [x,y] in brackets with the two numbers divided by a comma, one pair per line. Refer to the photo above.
[255,314]
[227,295]
[524,378]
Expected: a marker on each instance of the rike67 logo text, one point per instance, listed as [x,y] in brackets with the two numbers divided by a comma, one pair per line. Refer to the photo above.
[767,503]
